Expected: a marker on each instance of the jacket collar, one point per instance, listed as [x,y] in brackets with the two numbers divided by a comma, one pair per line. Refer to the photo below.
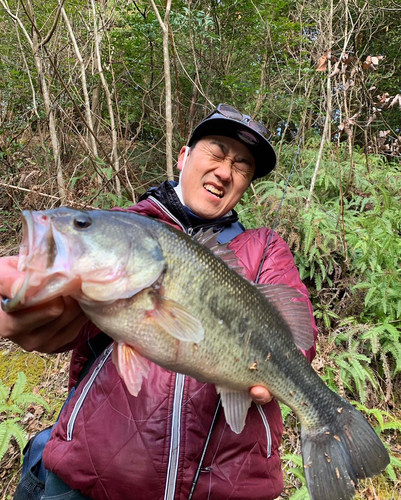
[166,195]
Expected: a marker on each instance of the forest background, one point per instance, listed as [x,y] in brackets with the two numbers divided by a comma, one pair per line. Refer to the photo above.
[96,100]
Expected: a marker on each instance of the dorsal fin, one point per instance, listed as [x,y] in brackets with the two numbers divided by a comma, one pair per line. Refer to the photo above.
[209,239]
[295,314]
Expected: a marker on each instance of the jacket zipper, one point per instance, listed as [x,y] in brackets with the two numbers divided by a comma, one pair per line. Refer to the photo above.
[268,432]
[176,422]
[174,451]
[85,390]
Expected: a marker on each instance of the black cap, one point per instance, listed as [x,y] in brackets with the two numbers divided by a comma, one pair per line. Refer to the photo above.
[261,149]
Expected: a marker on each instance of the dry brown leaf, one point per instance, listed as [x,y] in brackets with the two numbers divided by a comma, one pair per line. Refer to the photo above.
[371,119]
[350,83]
[322,63]
[381,99]
[368,63]
[396,99]
[336,70]
[347,59]
[353,72]
[346,125]
[331,57]
[372,62]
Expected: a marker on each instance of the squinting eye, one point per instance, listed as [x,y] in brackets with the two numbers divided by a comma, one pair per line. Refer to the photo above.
[82,221]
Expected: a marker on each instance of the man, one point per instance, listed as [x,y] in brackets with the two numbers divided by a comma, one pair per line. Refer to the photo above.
[110,445]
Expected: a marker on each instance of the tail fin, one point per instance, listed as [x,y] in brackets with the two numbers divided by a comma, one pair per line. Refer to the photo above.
[345,450]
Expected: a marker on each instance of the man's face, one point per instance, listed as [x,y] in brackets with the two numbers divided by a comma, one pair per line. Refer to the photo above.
[217,173]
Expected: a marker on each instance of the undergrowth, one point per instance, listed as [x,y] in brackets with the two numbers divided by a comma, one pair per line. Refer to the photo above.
[347,247]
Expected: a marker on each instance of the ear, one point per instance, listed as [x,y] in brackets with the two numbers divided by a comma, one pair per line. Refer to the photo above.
[181,156]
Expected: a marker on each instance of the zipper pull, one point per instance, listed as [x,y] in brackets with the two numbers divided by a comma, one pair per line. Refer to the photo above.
[190,231]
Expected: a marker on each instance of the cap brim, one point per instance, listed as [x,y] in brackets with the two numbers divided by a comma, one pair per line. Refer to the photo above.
[263,152]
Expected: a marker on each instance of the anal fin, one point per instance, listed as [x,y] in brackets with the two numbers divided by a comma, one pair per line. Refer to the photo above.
[236,405]
[131,366]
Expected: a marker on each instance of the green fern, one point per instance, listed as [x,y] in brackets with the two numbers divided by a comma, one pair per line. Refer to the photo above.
[298,471]
[13,402]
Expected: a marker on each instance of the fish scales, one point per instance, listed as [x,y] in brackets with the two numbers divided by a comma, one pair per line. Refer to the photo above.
[215,295]
[162,295]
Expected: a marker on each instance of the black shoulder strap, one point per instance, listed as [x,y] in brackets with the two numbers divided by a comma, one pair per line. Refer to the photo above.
[98,344]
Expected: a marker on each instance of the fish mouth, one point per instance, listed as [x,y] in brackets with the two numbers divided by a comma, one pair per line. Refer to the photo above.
[216,191]
[42,257]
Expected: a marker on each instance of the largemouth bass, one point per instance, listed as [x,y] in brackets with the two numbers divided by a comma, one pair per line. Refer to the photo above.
[165,297]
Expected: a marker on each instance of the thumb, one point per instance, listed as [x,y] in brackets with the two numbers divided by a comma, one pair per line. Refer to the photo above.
[260,395]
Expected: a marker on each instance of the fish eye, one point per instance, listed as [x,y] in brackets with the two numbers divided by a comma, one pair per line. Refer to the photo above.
[82,221]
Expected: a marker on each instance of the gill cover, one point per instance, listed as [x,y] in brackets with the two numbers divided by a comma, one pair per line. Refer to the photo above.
[120,256]
[89,255]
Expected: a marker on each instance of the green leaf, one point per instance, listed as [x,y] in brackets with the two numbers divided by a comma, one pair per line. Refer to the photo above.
[32,398]
[10,408]
[5,436]
[4,392]
[18,434]
[390,471]
[19,386]
[301,494]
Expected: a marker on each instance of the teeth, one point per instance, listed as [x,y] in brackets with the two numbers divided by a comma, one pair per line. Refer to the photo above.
[214,190]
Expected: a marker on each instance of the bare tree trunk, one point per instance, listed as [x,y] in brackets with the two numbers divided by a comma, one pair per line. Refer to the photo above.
[95,108]
[177,84]
[167,78]
[28,72]
[192,108]
[261,94]
[326,134]
[88,111]
[41,69]
[287,123]
[114,151]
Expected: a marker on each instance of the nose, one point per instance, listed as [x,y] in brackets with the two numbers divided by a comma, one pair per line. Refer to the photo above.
[224,170]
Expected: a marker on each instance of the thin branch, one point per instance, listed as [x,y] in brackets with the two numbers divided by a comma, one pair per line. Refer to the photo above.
[17,20]
[53,28]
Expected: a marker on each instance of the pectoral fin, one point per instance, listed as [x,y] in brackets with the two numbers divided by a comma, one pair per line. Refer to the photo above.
[236,405]
[176,320]
[131,367]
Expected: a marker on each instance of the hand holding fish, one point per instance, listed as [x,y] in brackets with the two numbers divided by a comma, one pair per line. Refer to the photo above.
[45,327]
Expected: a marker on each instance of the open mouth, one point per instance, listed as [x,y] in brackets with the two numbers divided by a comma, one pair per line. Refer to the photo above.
[38,258]
[214,190]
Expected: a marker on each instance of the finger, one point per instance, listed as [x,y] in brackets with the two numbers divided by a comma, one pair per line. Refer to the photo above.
[10,278]
[260,395]
[40,341]
[24,321]
[59,326]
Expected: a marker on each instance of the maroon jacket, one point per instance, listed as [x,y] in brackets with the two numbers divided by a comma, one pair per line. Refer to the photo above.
[111,445]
